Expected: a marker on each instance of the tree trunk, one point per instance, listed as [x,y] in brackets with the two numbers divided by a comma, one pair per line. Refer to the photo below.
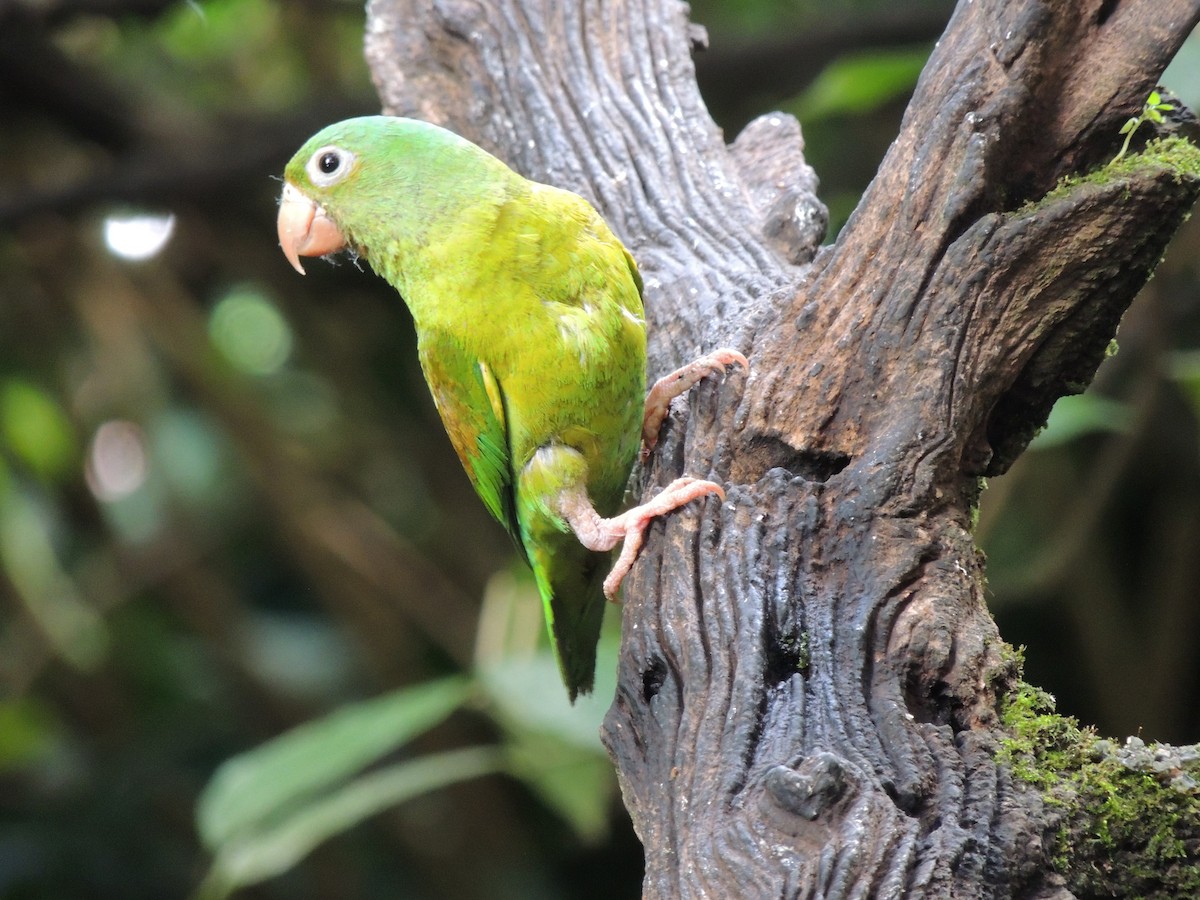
[810,680]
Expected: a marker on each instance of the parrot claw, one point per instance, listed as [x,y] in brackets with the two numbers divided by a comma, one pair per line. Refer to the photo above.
[598,533]
[682,380]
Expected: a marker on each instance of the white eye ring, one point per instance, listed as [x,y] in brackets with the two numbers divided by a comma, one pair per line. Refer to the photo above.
[329,165]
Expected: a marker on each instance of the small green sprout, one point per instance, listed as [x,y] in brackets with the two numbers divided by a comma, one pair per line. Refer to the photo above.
[1152,111]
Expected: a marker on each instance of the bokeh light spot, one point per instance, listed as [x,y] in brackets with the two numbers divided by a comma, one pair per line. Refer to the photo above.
[117,461]
[140,236]
[250,331]
[188,451]
[302,403]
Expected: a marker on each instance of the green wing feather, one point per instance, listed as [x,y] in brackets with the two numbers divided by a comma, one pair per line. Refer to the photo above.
[472,407]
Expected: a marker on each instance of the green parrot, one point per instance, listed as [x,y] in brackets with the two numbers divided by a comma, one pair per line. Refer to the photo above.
[530,333]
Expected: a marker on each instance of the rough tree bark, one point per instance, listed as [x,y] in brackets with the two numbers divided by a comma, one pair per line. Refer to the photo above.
[809,679]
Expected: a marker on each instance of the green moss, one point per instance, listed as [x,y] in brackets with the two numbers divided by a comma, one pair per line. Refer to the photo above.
[1173,153]
[803,655]
[1126,814]
[796,649]
[981,485]
[1042,747]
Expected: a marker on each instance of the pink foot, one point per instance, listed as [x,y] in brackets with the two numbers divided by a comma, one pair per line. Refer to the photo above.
[598,533]
[667,388]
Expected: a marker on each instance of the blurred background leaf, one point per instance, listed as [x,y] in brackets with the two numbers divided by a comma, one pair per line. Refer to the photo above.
[858,84]
[554,746]
[1081,414]
[228,510]
[250,791]
[275,847]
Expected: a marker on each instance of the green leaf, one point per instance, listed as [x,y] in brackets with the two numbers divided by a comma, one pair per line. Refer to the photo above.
[274,849]
[528,693]
[28,731]
[1130,125]
[1154,115]
[1082,414]
[255,791]
[1184,367]
[63,614]
[860,83]
[577,784]
[36,428]
[554,747]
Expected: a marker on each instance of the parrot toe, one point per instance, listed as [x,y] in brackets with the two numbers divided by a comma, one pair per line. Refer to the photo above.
[682,380]
[629,528]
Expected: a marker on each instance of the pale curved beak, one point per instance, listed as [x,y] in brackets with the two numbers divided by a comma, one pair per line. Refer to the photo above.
[304,229]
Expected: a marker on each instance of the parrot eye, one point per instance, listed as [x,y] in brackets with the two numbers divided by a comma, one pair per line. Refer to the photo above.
[329,165]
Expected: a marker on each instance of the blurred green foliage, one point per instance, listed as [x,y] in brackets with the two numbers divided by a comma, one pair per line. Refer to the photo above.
[265,810]
[860,84]
[232,530]
[36,431]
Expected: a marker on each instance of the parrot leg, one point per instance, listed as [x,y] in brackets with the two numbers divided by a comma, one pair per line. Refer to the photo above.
[667,388]
[598,533]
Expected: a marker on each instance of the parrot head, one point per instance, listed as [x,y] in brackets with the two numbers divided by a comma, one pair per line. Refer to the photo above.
[359,180]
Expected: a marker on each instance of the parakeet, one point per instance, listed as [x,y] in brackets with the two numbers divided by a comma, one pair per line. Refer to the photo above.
[531,336]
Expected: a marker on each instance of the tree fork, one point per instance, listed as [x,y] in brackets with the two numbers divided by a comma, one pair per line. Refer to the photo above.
[809,678]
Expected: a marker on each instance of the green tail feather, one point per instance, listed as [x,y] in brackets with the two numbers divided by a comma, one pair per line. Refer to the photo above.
[572,589]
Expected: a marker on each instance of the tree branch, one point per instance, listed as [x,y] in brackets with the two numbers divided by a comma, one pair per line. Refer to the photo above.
[809,683]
